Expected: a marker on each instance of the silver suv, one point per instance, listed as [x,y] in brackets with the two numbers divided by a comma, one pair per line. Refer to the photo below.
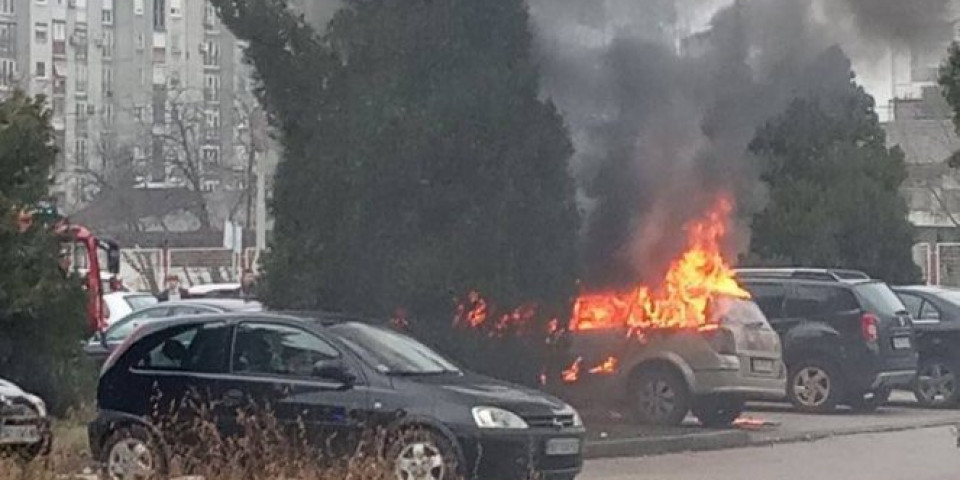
[663,375]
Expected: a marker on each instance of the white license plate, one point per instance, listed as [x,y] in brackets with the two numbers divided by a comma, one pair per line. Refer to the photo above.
[761,365]
[19,434]
[901,343]
[563,446]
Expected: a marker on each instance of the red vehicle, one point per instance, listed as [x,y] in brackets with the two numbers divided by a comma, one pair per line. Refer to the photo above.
[91,247]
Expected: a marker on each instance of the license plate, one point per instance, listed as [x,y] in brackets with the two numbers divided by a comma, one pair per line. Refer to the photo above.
[19,434]
[563,446]
[901,343]
[762,365]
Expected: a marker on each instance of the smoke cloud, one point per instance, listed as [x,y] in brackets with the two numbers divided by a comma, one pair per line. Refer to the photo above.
[905,21]
[661,122]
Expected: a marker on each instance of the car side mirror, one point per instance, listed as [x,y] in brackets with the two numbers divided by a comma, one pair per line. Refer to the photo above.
[334,369]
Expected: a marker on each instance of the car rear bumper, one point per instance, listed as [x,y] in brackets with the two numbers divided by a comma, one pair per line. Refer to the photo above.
[520,454]
[895,379]
[737,383]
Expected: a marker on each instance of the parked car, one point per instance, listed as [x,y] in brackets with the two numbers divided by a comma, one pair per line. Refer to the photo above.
[99,346]
[121,304]
[349,377]
[24,426]
[847,339]
[215,290]
[936,313]
[669,374]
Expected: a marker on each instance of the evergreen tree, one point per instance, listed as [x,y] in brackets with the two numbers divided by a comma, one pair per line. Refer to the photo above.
[41,311]
[834,188]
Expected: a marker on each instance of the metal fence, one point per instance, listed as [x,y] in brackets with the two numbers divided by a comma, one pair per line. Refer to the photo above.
[144,269]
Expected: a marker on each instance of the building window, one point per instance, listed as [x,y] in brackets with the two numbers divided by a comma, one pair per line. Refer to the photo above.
[211,53]
[7,6]
[82,76]
[212,123]
[140,41]
[41,70]
[107,42]
[138,7]
[40,32]
[209,16]
[41,2]
[8,37]
[211,155]
[138,112]
[211,87]
[81,152]
[106,76]
[176,8]
[106,16]
[59,107]
[59,37]
[159,15]
[8,72]
[107,113]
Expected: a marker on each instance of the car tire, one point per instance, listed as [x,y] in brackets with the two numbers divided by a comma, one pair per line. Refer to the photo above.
[422,453]
[814,386]
[132,452]
[660,397]
[870,401]
[718,412]
[937,384]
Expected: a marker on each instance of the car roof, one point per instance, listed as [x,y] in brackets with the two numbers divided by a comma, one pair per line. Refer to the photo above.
[825,274]
[227,304]
[809,281]
[212,287]
[928,289]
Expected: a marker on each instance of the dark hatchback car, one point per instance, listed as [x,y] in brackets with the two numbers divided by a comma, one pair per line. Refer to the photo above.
[936,313]
[99,346]
[847,339]
[336,379]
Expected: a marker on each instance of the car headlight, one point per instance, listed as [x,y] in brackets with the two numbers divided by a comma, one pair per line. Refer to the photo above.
[577,419]
[38,404]
[492,417]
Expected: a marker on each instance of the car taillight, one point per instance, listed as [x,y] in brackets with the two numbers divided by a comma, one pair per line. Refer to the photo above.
[868,327]
[722,341]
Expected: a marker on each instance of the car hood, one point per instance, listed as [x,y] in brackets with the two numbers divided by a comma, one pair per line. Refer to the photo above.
[8,389]
[470,389]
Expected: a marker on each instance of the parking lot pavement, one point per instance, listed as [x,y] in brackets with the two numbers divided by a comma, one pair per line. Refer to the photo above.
[766,423]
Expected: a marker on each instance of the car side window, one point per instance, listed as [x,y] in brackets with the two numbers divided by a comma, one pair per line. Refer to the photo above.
[913,304]
[815,300]
[928,313]
[190,310]
[270,349]
[196,348]
[125,327]
[769,297]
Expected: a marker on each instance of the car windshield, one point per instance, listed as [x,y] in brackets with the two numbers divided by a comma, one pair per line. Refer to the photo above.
[879,299]
[390,352]
[137,302]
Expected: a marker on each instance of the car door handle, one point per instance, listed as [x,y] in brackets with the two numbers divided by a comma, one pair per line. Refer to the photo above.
[233,398]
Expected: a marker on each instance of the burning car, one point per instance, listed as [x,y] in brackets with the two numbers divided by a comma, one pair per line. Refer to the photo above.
[24,427]
[695,341]
[663,375]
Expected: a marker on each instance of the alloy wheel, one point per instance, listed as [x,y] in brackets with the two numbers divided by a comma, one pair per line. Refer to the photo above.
[937,383]
[131,459]
[811,386]
[657,399]
[420,461]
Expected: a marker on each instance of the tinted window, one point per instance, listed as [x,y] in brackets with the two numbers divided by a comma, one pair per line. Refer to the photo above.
[878,298]
[391,352]
[769,297]
[815,300]
[194,348]
[928,313]
[734,311]
[279,350]
[136,302]
[913,304]
[191,310]
[123,328]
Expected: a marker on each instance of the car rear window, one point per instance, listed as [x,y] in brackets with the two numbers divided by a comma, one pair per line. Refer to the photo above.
[807,301]
[737,311]
[878,298]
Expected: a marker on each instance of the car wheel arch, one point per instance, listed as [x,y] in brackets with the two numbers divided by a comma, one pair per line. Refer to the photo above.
[128,421]
[413,422]
[669,361]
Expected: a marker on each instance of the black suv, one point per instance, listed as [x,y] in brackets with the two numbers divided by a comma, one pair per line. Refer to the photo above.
[936,313]
[334,379]
[847,339]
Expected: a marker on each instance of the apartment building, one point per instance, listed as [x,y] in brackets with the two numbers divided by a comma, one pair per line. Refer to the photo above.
[125,79]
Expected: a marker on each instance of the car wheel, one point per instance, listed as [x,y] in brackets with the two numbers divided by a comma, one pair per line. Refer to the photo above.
[936,385]
[814,386]
[661,397]
[132,453]
[870,401]
[421,454]
[718,412]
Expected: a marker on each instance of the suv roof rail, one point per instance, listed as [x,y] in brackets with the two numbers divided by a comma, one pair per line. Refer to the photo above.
[829,274]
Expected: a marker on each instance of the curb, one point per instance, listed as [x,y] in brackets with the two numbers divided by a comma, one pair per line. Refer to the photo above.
[728,439]
[645,446]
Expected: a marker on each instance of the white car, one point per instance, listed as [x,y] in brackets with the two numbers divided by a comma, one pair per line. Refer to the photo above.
[24,426]
[215,290]
[121,304]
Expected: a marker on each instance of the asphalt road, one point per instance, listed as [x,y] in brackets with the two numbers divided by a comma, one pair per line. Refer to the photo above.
[925,454]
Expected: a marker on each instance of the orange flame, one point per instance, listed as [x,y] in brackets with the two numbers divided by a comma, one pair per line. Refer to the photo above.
[572,373]
[681,301]
[609,366]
